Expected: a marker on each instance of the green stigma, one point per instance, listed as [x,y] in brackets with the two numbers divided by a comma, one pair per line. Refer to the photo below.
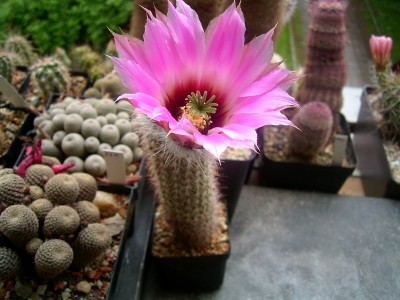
[198,108]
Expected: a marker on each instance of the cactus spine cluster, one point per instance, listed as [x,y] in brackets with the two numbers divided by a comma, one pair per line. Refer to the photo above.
[315,121]
[390,106]
[6,67]
[185,184]
[325,68]
[20,45]
[50,76]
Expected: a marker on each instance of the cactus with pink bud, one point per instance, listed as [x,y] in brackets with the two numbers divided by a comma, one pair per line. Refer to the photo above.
[325,68]
[315,121]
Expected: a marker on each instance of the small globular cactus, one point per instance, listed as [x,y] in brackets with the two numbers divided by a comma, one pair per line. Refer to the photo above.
[62,56]
[52,258]
[315,122]
[90,243]
[325,67]
[50,76]
[10,263]
[61,189]
[19,224]
[18,44]
[6,67]
[13,189]
[84,58]
[62,220]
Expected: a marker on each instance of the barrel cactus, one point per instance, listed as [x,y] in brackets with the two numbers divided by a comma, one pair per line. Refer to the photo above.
[50,76]
[20,45]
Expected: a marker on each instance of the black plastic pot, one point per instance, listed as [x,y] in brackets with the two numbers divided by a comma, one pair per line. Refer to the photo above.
[308,176]
[9,158]
[233,175]
[374,168]
[127,279]
[191,273]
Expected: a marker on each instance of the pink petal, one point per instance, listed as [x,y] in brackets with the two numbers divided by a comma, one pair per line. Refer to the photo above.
[224,46]
[135,78]
[213,143]
[257,120]
[276,99]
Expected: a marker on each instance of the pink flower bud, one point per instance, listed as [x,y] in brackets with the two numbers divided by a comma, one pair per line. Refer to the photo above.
[381,48]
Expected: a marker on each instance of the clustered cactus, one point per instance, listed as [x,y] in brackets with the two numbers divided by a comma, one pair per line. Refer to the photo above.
[325,68]
[54,234]
[50,76]
[78,131]
[315,122]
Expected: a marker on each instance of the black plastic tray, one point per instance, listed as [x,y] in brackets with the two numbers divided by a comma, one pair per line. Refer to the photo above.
[9,158]
[127,279]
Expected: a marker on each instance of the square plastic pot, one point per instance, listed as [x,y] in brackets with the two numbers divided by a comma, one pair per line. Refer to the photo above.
[373,165]
[308,176]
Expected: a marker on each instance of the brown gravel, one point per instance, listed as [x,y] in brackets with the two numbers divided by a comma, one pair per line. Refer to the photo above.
[276,146]
[164,244]
[10,124]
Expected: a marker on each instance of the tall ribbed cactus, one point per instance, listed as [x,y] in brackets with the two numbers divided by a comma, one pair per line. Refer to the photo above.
[261,16]
[325,68]
[50,76]
[184,181]
[20,45]
[315,122]
[6,67]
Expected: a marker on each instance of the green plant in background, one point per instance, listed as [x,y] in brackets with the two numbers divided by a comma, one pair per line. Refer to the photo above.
[52,23]
[382,18]
[291,43]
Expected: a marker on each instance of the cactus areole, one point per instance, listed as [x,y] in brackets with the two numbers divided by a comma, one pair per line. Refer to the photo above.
[200,91]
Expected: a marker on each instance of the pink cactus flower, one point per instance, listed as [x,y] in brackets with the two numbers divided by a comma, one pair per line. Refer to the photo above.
[381,48]
[207,89]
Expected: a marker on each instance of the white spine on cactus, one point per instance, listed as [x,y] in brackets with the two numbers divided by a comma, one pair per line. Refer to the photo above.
[185,182]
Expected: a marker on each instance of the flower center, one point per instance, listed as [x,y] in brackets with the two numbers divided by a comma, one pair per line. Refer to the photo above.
[198,108]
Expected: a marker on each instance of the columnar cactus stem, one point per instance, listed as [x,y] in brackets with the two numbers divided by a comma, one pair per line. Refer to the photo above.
[325,68]
[185,183]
